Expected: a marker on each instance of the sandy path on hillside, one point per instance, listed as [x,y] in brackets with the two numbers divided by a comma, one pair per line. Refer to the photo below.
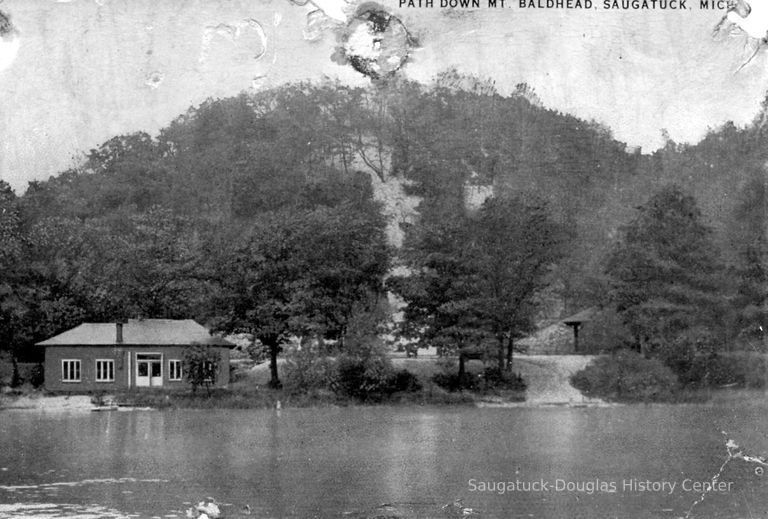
[548,379]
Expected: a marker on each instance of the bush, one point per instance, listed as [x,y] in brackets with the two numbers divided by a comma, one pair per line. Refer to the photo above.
[307,369]
[451,381]
[693,356]
[201,365]
[404,381]
[495,379]
[683,354]
[363,379]
[490,378]
[743,370]
[605,333]
[37,376]
[627,377]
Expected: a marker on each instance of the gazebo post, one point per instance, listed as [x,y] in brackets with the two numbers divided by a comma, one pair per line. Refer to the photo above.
[575,322]
[576,337]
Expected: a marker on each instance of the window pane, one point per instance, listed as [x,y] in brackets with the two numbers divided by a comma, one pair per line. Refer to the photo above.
[156,369]
[176,365]
[70,370]
[143,369]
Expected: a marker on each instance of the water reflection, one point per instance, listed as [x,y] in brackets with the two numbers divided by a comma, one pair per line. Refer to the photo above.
[331,462]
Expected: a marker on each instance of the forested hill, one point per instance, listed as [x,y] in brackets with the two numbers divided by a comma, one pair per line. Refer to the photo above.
[226,162]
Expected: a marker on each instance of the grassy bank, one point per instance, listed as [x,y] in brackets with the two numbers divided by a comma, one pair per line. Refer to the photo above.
[265,398]
[627,377]
[262,397]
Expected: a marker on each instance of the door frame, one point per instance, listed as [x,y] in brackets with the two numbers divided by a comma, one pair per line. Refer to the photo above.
[149,377]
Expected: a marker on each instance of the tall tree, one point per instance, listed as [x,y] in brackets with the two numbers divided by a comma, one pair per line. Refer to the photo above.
[750,238]
[298,272]
[440,288]
[665,273]
[477,276]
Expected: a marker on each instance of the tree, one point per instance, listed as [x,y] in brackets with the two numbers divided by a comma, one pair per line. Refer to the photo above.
[750,239]
[441,285]
[517,244]
[151,266]
[298,272]
[12,246]
[201,366]
[476,277]
[665,273]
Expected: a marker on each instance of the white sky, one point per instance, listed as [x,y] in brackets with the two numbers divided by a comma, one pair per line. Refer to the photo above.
[87,70]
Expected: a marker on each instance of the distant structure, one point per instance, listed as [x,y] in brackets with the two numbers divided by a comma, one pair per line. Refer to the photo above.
[141,353]
[560,337]
[576,321]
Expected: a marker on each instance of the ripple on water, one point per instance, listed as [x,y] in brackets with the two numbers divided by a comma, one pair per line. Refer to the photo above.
[51,510]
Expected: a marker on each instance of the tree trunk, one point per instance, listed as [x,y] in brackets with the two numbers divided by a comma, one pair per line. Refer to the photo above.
[500,339]
[274,381]
[15,376]
[461,367]
[509,353]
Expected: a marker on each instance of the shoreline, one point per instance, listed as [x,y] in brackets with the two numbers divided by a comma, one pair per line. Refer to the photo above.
[40,402]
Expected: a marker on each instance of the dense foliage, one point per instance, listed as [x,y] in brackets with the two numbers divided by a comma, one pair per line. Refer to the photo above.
[627,377]
[201,367]
[665,274]
[261,213]
[475,277]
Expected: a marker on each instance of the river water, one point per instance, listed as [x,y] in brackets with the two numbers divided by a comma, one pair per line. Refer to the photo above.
[624,461]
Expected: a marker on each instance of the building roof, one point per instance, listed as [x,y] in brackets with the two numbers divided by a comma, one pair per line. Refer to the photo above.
[582,317]
[151,332]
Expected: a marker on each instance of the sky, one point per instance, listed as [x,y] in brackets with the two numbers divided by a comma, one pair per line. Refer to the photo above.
[75,73]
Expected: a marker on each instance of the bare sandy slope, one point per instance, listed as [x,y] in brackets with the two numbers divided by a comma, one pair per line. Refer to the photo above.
[548,378]
[47,403]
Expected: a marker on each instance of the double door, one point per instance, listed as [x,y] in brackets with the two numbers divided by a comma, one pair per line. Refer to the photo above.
[149,369]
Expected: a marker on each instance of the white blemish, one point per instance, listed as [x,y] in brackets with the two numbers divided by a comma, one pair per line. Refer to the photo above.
[258,82]
[361,43]
[154,79]
[59,510]
[750,19]
[276,19]
[755,23]
[100,481]
[256,26]
[324,14]
[9,48]
[336,9]
[317,24]
[734,453]
[232,33]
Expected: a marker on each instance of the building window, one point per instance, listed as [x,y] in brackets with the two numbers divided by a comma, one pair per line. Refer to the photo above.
[174,370]
[105,370]
[209,370]
[70,370]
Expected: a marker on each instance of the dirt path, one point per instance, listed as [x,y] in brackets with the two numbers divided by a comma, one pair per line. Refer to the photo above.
[548,378]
